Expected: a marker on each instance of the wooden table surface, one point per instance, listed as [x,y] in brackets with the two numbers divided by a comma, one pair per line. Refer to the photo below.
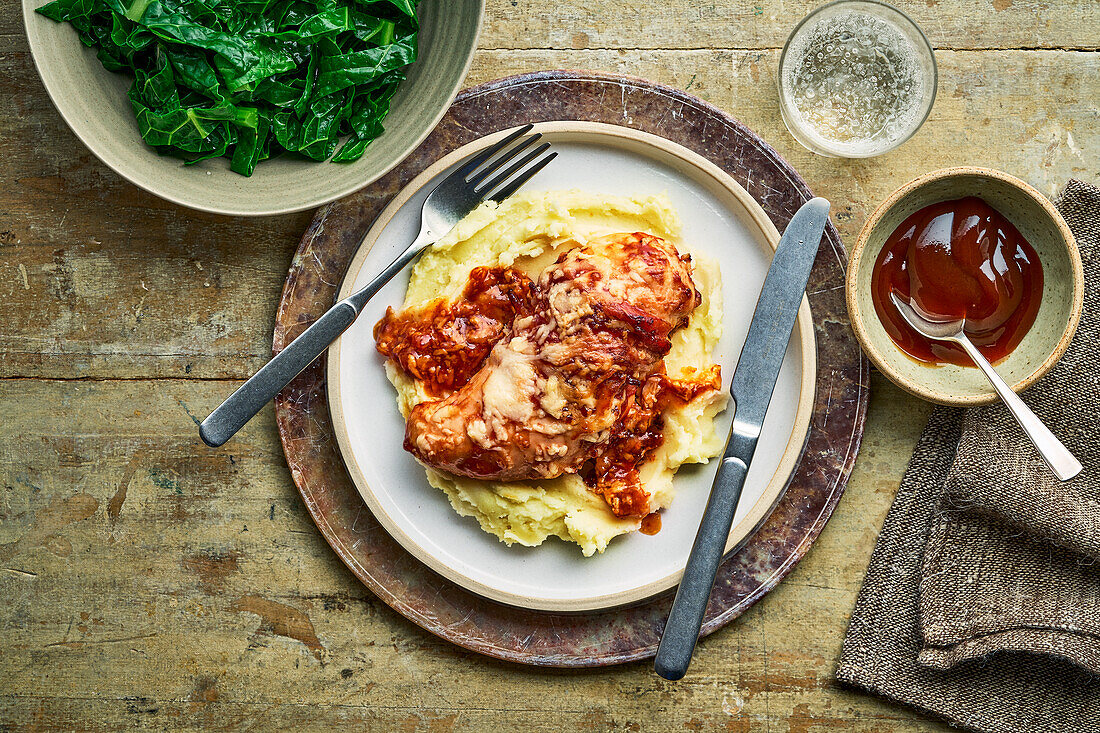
[147,581]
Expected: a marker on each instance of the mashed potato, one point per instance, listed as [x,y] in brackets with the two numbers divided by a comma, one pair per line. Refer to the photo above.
[528,232]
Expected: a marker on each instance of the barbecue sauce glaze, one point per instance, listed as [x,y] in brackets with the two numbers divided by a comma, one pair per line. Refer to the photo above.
[959,259]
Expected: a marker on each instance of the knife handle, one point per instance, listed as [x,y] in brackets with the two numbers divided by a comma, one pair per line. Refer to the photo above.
[686,619]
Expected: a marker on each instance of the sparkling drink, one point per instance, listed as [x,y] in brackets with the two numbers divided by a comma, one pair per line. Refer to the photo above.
[856,79]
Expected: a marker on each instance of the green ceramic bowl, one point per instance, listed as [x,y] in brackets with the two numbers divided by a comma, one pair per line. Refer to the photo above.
[93,102]
[1059,311]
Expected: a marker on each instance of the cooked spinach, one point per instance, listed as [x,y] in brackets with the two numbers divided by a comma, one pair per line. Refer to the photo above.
[250,79]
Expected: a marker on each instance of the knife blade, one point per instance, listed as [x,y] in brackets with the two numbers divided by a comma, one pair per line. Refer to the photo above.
[752,386]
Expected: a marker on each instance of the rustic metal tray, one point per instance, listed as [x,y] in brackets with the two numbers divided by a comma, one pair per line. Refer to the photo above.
[570,639]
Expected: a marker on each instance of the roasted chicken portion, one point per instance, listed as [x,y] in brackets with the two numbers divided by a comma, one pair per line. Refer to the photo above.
[581,358]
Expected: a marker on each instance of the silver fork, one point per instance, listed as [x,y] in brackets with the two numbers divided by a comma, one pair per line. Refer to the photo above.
[455,196]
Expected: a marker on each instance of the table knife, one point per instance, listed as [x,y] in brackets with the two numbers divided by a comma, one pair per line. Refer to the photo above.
[752,386]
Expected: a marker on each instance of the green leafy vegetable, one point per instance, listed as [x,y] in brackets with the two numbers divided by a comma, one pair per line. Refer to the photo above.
[250,79]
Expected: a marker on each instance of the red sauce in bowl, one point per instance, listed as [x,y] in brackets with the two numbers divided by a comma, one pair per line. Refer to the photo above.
[955,260]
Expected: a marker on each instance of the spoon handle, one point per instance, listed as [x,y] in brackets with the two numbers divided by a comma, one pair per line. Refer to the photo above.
[1057,456]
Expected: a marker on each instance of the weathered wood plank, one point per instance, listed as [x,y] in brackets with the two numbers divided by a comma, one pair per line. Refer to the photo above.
[151,582]
[765,24]
[146,714]
[100,279]
[679,24]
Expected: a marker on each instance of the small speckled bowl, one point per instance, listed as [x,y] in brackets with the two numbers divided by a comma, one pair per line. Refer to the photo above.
[1059,311]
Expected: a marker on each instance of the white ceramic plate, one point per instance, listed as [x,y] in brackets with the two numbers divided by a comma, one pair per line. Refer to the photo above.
[720,220]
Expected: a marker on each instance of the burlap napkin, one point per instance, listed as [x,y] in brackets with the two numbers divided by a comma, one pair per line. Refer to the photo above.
[982,600]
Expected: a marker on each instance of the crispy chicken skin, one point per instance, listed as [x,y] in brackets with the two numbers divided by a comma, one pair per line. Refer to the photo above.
[570,366]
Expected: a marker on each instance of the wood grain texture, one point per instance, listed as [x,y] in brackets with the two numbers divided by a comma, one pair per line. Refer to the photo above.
[753,24]
[758,24]
[151,583]
[149,580]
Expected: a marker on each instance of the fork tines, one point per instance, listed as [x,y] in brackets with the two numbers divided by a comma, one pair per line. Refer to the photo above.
[522,169]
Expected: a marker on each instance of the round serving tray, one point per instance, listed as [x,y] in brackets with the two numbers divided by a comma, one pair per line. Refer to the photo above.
[559,638]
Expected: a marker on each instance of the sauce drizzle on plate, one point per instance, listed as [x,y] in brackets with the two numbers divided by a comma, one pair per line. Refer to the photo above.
[651,524]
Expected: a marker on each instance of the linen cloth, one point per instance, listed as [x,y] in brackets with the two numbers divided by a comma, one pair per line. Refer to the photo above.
[982,600]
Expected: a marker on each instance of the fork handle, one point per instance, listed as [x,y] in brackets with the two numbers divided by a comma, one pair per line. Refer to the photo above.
[240,407]
[359,298]
[262,387]
[1056,455]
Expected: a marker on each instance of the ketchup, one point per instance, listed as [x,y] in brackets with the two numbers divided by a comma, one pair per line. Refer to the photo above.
[955,260]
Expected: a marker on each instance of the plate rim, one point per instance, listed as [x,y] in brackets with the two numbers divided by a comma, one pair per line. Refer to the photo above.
[739,534]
